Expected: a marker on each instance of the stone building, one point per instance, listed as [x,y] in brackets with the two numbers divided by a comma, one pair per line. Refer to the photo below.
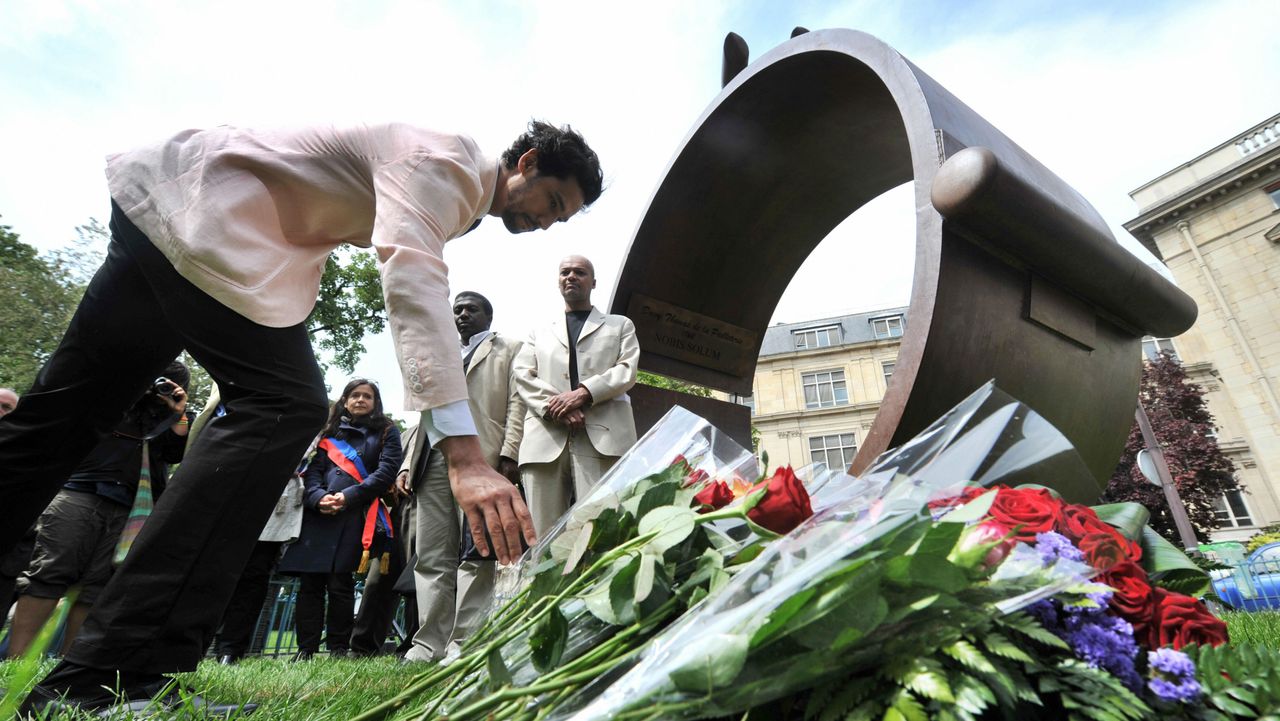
[1215,222]
[819,383]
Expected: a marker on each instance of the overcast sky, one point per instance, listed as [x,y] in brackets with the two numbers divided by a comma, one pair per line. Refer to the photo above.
[1107,95]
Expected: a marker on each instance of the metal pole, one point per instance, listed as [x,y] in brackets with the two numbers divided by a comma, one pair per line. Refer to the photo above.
[1179,512]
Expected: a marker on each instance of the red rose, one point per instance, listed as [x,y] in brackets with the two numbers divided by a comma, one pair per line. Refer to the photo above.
[785,505]
[1178,620]
[1104,550]
[1079,521]
[954,500]
[698,476]
[1132,599]
[713,496]
[1027,511]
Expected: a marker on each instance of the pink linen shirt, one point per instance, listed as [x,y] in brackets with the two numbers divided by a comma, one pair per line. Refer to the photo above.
[249,217]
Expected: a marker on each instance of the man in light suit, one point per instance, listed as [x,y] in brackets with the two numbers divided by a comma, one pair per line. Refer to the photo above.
[451,596]
[573,376]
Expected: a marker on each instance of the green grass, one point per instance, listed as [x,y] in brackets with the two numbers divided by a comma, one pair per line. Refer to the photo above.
[1261,628]
[317,690]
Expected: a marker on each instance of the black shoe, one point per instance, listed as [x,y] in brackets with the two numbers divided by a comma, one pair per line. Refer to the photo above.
[162,695]
[303,655]
[338,653]
[228,659]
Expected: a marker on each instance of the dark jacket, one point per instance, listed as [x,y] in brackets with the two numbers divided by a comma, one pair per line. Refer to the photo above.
[331,544]
[112,468]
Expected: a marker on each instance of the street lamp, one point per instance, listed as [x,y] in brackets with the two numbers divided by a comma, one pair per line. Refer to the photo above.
[1152,465]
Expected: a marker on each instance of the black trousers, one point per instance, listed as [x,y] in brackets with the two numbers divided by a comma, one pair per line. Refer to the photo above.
[310,612]
[240,619]
[380,599]
[158,613]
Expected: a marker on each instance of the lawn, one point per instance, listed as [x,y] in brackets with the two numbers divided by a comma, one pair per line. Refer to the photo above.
[317,690]
[337,690]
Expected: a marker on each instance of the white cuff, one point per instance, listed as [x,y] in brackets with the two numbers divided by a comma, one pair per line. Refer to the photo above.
[450,419]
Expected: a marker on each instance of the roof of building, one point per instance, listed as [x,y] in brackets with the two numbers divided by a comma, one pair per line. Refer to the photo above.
[855,328]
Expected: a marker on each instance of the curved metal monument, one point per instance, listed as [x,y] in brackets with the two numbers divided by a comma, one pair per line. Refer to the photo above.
[1017,277]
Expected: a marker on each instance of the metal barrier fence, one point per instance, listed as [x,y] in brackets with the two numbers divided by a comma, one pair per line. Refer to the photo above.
[275,633]
[1251,579]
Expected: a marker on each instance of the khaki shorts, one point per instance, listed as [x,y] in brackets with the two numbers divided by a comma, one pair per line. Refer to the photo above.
[75,540]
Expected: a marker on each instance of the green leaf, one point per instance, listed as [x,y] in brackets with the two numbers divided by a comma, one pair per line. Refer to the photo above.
[907,705]
[1170,567]
[748,554]
[1028,626]
[940,539]
[925,677]
[711,664]
[780,616]
[972,511]
[547,640]
[939,573]
[1002,646]
[672,525]
[1129,518]
[644,577]
[499,676]
[610,528]
[579,548]
[622,590]
[661,494]
[968,654]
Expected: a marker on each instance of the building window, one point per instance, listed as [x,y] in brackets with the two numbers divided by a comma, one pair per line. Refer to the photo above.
[824,389]
[817,337]
[835,451]
[1231,510]
[887,367]
[890,327]
[748,401]
[1273,190]
[1151,347]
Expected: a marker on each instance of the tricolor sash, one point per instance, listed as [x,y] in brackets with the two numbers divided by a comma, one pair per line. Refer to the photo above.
[345,457]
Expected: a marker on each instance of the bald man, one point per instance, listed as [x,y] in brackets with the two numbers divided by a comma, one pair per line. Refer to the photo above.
[8,401]
[573,375]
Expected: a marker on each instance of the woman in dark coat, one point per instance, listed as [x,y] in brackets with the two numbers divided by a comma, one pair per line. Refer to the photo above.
[336,505]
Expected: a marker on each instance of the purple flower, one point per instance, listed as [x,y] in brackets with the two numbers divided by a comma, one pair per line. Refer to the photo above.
[1173,676]
[1053,546]
[1106,642]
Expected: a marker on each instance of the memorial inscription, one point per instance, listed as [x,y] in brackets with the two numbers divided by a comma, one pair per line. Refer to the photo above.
[691,337]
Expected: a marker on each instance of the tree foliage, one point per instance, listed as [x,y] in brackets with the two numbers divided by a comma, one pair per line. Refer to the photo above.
[39,294]
[1183,425]
[658,381]
[350,307]
[36,302]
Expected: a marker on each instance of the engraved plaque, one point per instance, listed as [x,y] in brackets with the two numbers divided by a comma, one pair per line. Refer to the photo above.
[669,330]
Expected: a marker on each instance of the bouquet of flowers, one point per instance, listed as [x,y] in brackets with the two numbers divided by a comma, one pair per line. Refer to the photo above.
[938,584]
[929,555]
[660,532]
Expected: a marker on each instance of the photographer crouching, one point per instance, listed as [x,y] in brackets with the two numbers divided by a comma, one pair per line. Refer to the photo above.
[87,529]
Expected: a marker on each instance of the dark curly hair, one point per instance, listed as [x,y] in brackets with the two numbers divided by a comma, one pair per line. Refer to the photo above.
[562,153]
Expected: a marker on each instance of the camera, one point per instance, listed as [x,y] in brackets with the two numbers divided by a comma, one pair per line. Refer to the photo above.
[163,386]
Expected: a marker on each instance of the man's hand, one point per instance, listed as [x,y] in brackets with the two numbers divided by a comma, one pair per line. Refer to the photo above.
[563,403]
[575,419]
[487,499]
[509,468]
[400,489]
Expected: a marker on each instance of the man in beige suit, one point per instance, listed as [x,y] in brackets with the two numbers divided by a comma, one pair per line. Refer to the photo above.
[451,596]
[573,376]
